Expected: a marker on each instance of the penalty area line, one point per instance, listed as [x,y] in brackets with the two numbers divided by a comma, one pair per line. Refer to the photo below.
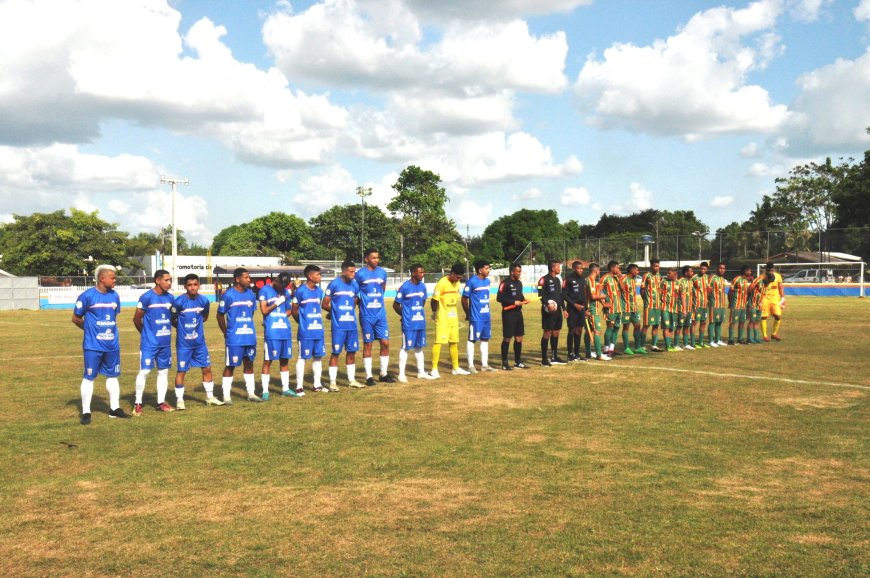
[740,376]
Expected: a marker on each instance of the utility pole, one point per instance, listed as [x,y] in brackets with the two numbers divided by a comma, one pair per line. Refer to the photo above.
[173,182]
[362,193]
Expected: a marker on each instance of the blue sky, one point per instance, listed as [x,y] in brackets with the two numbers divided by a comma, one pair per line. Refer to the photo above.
[581,106]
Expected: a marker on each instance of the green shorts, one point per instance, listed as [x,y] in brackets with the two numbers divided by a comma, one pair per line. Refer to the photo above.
[754,314]
[738,315]
[651,316]
[701,315]
[669,320]
[684,319]
[614,319]
[596,324]
[717,314]
[630,317]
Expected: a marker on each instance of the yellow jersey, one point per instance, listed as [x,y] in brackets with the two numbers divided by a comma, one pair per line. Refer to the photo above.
[447,295]
[771,289]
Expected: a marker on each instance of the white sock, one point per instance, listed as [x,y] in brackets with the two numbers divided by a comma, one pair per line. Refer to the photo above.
[285,381]
[403,361]
[87,389]
[140,383]
[367,364]
[385,364]
[264,382]
[317,366]
[351,371]
[469,350]
[114,389]
[179,392]
[227,385]
[484,353]
[333,373]
[162,385]
[250,384]
[421,364]
[300,373]
[208,386]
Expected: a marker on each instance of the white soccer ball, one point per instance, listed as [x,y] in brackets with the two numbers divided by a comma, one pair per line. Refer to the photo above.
[551,306]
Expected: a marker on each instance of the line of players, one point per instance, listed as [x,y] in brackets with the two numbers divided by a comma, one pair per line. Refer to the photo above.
[595,310]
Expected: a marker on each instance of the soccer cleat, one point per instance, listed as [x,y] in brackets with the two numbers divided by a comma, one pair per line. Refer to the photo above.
[85,419]
[119,413]
[672,348]
[213,401]
[521,365]
[165,407]
[255,399]
[487,368]
[629,351]
[460,371]
[355,384]
[766,339]
[137,410]
[605,357]
[506,366]
[265,396]
[332,387]
[707,346]
[300,392]
[228,400]
[472,369]
[546,363]
[434,374]
[776,337]
[689,347]
[557,361]
[722,343]
[642,351]
[424,375]
[713,344]
[370,382]
[179,405]
[655,348]
[290,393]
[593,355]
[402,378]
[387,378]
[321,389]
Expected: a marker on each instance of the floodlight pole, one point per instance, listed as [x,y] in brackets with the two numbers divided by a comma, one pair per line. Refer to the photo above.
[362,193]
[173,182]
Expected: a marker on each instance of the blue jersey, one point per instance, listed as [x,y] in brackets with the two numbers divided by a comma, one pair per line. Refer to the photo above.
[100,312]
[190,325]
[371,292]
[310,313]
[342,296]
[412,297]
[477,292]
[238,306]
[157,322]
[276,323]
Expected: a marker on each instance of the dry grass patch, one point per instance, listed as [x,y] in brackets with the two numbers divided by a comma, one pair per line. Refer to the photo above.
[832,400]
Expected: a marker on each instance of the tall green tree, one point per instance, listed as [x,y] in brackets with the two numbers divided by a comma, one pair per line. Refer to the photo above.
[338,231]
[506,237]
[275,234]
[419,207]
[60,244]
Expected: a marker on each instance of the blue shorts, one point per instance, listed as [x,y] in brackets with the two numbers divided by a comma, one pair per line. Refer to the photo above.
[374,329]
[347,339]
[277,349]
[480,329]
[106,363]
[236,353]
[151,357]
[413,339]
[187,357]
[309,348]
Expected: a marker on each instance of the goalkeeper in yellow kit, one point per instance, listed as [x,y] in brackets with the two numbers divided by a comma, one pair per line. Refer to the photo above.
[444,303]
[772,302]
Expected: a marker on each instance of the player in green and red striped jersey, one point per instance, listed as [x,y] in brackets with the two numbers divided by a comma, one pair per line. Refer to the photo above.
[718,301]
[753,309]
[701,293]
[670,296]
[614,304]
[686,308]
[737,299]
[650,292]
[595,313]
[631,316]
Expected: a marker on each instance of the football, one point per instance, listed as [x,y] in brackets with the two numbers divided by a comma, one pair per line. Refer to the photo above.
[551,306]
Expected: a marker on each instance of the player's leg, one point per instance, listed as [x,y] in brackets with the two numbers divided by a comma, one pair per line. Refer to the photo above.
[337,346]
[469,346]
[776,313]
[163,357]
[453,339]
[319,350]
[304,354]
[248,374]
[368,340]
[519,330]
[545,343]
[110,366]
[233,358]
[485,335]
[146,362]
[382,333]
[407,341]
[351,346]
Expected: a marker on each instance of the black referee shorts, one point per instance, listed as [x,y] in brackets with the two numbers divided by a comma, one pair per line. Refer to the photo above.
[512,324]
[551,321]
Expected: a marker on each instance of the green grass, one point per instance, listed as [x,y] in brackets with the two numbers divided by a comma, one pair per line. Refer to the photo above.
[604,469]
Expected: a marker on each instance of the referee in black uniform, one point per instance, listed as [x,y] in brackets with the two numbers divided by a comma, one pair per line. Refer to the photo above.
[510,295]
[552,312]
[574,291]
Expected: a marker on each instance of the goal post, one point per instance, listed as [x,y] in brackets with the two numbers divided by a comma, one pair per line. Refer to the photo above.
[823,278]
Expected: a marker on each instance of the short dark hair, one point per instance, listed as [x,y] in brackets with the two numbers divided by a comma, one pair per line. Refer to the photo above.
[672,269]
[575,263]
[514,266]
[191,277]
[237,273]
[414,267]
[369,251]
[283,279]
[480,264]
[552,263]
[705,264]
[594,266]
[310,269]
[654,261]
[632,265]
[744,269]
[347,264]
[686,269]
[722,263]
[160,273]
[458,269]
[769,265]
[611,264]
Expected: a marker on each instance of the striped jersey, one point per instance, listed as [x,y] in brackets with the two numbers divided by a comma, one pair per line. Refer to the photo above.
[670,295]
[594,307]
[685,300]
[613,291]
[629,293]
[756,295]
[701,287]
[650,290]
[739,292]
[718,299]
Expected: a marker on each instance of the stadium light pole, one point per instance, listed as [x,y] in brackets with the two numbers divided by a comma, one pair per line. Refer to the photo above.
[698,234]
[362,193]
[173,183]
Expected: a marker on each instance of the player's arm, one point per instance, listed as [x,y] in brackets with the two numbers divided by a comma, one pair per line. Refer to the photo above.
[78,321]
[465,305]
[222,322]
[137,319]
[205,312]
[326,304]
[173,319]
[501,295]
[397,305]
[295,311]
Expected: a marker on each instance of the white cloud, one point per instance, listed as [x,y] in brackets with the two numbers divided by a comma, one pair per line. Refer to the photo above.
[640,198]
[722,201]
[84,203]
[490,9]
[6,218]
[760,170]
[694,83]
[807,10]
[530,194]
[575,196]
[749,151]
[862,11]
[119,207]
[153,211]
[320,192]
[473,214]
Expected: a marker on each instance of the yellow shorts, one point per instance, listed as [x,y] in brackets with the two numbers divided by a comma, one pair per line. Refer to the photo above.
[446,333]
[769,308]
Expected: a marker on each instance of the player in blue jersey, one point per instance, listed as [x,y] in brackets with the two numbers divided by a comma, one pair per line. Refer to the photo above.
[96,313]
[410,305]
[342,296]
[308,314]
[372,281]
[153,321]
[189,313]
[275,303]
[236,321]
[475,303]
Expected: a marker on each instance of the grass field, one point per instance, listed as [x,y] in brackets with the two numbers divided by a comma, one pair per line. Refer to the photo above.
[748,460]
